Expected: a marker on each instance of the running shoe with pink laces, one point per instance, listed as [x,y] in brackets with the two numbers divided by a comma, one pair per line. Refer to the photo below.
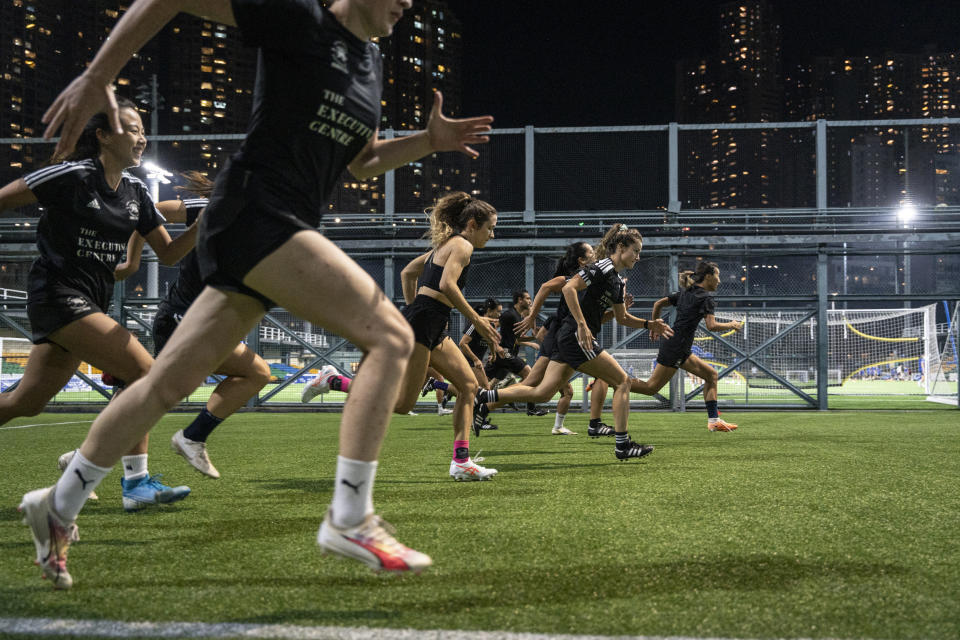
[51,536]
[372,543]
[320,384]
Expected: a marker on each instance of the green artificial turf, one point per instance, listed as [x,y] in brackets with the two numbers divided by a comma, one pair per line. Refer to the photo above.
[799,524]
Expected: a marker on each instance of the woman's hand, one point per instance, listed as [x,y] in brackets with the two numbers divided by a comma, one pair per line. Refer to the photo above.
[449,134]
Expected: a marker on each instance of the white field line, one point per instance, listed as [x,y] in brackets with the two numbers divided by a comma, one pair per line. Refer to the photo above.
[46,424]
[117,629]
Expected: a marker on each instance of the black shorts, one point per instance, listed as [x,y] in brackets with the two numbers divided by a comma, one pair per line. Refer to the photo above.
[672,355]
[56,305]
[429,319]
[239,228]
[568,350]
[164,324]
[549,342]
[500,367]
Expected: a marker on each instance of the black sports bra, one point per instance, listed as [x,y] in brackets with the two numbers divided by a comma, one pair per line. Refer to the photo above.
[432,273]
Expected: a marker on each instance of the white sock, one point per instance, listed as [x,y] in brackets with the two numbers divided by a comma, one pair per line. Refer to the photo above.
[558,421]
[134,467]
[711,420]
[352,492]
[73,488]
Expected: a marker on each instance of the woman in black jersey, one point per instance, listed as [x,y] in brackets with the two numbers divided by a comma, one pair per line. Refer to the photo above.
[588,295]
[577,256]
[432,287]
[473,347]
[694,302]
[246,372]
[316,113]
[91,206]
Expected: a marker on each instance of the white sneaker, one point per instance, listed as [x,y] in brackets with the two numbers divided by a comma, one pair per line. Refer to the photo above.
[506,382]
[195,453]
[562,431]
[64,461]
[372,543]
[51,536]
[443,411]
[321,384]
[412,413]
[470,470]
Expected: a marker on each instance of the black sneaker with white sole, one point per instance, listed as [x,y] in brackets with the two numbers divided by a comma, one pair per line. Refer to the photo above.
[600,431]
[633,450]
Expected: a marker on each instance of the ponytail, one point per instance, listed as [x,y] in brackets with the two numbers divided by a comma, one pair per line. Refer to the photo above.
[452,213]
[686,279]
[703,270]
[570,262]
[618,234]
[197,183]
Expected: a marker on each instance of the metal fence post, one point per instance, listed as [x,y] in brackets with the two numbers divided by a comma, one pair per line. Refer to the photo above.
[529,201]
[821,165]
[388,278]
[253,342]
[823,333]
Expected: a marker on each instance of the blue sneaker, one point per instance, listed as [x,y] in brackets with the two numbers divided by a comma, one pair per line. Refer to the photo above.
[148,490]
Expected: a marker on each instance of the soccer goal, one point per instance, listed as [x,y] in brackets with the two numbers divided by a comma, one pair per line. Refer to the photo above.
[884,351]
[944,376]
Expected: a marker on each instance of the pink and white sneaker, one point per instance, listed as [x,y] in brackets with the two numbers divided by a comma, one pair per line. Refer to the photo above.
[321,384]
[372,543]
[470,471]
[51,536]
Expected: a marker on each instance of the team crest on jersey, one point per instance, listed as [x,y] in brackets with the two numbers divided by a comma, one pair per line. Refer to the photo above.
[338,56]
[76,303]
[133,209]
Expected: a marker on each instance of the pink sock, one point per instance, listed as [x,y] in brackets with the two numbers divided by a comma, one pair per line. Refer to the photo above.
[461,450]
[339,383]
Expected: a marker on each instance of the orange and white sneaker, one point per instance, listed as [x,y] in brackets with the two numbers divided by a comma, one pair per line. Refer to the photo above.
[51,536]
[372,543]
[721,425]
[470,471]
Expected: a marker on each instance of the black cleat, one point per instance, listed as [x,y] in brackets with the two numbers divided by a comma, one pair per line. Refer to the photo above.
[633,450]
[480,413]
[487,426]
[427,387]
[536,411]
[600,431]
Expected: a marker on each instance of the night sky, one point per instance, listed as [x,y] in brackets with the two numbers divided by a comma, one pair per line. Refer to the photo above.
[571,64]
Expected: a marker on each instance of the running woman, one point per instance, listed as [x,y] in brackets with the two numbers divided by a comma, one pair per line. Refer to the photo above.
[432,287]
[258,244]
[246,372]
[507,361]
[577,256]
[91,207]
[694,302]
[475,348]
[588,295]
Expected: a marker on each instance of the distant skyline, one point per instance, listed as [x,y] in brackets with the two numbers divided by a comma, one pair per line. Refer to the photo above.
[574,64]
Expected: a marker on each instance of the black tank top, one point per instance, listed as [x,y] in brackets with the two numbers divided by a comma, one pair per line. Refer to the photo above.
[432,273]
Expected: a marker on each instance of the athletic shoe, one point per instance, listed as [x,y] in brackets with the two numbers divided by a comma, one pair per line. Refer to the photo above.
[562,431]
[633,450]
[427,387]
[600,430]
[148,490]
[487,426]
[51,536]
[469,471]
[589,386]
[721,425]
[320,384]
[195,453]
[64,461]
[537,411]
[372,543]
[443,411]
[412,413]
[480,413]
[506,382]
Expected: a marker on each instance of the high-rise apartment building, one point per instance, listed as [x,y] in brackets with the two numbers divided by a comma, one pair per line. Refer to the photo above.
[739,82]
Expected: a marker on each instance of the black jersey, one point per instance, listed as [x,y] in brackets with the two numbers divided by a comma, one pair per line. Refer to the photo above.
[316,103]
[693,304]
[83,232]
[477,344]
[508,339]
[604,289]
[189,284]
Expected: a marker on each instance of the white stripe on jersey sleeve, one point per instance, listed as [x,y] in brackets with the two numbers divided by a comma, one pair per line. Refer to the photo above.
[40,176]
[195,202]
[605,265]
[469,331]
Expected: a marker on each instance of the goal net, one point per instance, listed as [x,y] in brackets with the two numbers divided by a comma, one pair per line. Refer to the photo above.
[944,376]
